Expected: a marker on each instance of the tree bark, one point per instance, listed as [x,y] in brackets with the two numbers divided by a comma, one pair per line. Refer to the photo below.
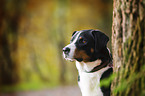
[128,38]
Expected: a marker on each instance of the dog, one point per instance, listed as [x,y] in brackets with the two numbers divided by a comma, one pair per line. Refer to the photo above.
[93,60]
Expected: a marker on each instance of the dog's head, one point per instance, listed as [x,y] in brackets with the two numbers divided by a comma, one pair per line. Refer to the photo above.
[87,46]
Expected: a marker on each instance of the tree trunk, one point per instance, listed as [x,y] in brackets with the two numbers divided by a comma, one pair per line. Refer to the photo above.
[128,38]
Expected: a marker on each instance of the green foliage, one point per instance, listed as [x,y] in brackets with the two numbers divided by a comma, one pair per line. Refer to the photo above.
[107,81]
[124,84]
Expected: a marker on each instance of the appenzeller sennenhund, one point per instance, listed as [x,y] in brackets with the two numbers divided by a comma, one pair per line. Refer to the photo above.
[93,60]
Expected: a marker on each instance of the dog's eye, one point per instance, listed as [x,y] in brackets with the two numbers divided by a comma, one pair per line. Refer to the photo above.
[82,40]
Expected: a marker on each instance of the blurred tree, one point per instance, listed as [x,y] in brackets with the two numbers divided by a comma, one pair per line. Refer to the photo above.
[10,14]
[60,29]
[128,36]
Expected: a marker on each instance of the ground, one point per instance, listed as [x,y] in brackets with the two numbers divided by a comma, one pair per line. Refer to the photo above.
[60,91]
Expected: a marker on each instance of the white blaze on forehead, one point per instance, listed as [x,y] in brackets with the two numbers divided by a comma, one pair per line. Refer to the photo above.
[78,34]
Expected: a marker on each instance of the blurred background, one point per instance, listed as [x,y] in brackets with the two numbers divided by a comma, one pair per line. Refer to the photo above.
[32,35]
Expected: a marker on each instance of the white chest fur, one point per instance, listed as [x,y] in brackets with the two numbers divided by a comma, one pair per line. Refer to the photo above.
[89,82]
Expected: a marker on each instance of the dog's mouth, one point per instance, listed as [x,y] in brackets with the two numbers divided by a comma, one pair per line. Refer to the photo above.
[66,56]
[75,57]
[79,59]
[71,60]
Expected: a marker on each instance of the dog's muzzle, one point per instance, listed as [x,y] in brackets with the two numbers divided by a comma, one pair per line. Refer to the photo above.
[66,50]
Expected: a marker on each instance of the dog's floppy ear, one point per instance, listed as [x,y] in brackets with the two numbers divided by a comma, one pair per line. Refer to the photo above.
[100,39]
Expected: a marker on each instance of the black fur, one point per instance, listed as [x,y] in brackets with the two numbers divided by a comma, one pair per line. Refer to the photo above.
[100,39]
[106,90]
[78,78]
[94,39]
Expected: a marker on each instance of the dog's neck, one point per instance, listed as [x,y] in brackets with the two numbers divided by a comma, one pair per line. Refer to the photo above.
[96,65]
[90,67]
[87,66]
[89,82]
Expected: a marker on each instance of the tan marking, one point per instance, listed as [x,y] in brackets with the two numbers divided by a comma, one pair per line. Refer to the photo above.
[81,54]
[80,37]
[92,50]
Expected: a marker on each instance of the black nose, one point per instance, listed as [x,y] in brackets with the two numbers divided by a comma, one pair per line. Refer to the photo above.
[66,50]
